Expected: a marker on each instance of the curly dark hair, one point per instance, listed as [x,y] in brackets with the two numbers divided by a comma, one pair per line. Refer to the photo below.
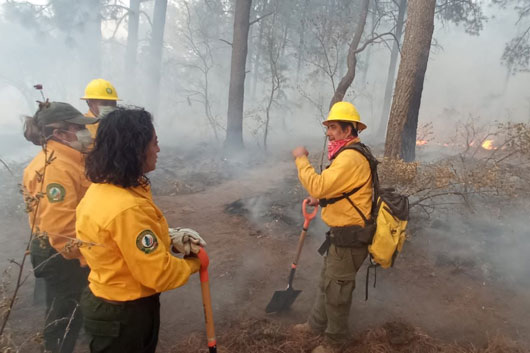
[119,149]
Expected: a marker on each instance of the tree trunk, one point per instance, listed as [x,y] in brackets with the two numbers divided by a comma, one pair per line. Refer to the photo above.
[257,59]
[97,39]
[132,46]
[347,80]
[301,42]
[373,23]
[392,70]
[157,41]
[401,131]
[236,92]
[91,39]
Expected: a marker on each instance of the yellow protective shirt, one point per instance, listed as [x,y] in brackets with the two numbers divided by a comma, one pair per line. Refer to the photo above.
[349,170]
[130,258]
[63,187]
[93,128]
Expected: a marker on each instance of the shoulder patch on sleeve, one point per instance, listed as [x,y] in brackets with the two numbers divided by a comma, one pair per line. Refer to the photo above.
[55,192]
[146,241]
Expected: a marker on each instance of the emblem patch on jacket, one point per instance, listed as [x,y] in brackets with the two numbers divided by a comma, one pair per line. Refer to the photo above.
[146,241]
[55,192]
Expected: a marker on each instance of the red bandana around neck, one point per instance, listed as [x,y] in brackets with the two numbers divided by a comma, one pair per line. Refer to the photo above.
[335,146]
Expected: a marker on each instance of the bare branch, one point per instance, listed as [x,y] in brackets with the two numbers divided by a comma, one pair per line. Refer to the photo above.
[373,39]
[7,167]
[260,18]
[225,41]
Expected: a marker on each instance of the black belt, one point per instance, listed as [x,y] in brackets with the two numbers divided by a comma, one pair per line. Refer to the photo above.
[139,301]
[348,237]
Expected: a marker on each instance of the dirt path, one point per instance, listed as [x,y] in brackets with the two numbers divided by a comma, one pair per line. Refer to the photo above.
[244,260]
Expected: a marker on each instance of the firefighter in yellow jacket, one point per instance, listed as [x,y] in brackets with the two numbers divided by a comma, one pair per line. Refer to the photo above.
[100,96]
[344,190]
[58,173]
[130,261]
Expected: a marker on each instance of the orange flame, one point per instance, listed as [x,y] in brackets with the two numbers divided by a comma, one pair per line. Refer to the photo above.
[488,145]
[421,142]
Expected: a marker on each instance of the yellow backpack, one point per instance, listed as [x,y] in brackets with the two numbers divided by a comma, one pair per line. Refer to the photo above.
[391,218]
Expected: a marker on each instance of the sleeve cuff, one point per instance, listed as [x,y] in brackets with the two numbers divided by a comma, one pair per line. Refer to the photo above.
[301,161]
[194,263]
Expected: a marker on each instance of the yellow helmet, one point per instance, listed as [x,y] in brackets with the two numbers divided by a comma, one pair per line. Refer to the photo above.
[345,111]
[100,89]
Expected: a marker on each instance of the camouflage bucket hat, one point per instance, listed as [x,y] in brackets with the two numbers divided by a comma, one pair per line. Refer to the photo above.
[55,112]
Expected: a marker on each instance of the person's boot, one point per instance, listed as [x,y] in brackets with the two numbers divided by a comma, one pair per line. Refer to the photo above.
[304,328]
[326,348]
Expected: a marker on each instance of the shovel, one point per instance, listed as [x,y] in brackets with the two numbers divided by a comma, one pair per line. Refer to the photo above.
[282,299]
[206,301]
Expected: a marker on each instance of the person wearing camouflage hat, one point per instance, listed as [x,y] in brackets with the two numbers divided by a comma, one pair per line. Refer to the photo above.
[60,129]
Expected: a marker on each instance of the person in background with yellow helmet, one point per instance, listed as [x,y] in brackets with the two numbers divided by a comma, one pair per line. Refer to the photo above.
[346,245]
[58,173]
[100,96]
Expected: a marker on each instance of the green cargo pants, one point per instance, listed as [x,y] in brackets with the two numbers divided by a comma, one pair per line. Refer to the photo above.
[64,282]
[130,326]
[334,294]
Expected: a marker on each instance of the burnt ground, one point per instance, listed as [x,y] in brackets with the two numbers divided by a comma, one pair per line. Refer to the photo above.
[453,281]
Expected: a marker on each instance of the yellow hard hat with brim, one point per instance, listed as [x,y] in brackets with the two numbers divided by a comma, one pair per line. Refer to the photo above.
[345,111]
[100,89]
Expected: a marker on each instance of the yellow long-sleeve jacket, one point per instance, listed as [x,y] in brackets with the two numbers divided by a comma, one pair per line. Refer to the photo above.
[93,128]
[349,170]
[130,257]
[64,185]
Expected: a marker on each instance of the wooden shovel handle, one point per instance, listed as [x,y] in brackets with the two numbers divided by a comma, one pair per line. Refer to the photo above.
[207,301]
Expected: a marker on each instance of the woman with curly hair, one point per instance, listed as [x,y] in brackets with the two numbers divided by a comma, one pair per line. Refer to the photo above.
[130,260]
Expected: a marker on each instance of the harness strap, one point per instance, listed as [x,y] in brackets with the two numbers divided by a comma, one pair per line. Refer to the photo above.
[358,211]
[332,200]
[374,266]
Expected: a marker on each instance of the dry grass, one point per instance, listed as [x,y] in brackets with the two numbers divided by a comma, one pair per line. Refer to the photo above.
[469,174]
[265,336]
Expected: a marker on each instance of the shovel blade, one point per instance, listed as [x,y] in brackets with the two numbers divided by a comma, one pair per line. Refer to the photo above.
[282,300]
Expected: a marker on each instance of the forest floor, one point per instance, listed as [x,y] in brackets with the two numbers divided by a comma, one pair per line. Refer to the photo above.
[446,285]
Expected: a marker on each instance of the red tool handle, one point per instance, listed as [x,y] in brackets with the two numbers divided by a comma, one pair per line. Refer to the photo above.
[308,216]
[207,301]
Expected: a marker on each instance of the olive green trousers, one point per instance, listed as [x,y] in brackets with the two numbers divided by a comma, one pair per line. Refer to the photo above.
[331,309]
[64,282]
[130,326]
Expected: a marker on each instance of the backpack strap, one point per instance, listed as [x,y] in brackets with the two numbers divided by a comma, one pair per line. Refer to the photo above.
[332,200]
[374,266]
[358,210]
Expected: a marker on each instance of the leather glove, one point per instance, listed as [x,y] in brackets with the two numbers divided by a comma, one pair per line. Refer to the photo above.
[186,240]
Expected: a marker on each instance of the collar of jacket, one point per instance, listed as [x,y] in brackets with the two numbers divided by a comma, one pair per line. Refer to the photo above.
[64,150]
[142,191]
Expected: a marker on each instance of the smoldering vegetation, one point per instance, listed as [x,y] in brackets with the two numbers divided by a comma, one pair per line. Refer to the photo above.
[266,336]
[467,243]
